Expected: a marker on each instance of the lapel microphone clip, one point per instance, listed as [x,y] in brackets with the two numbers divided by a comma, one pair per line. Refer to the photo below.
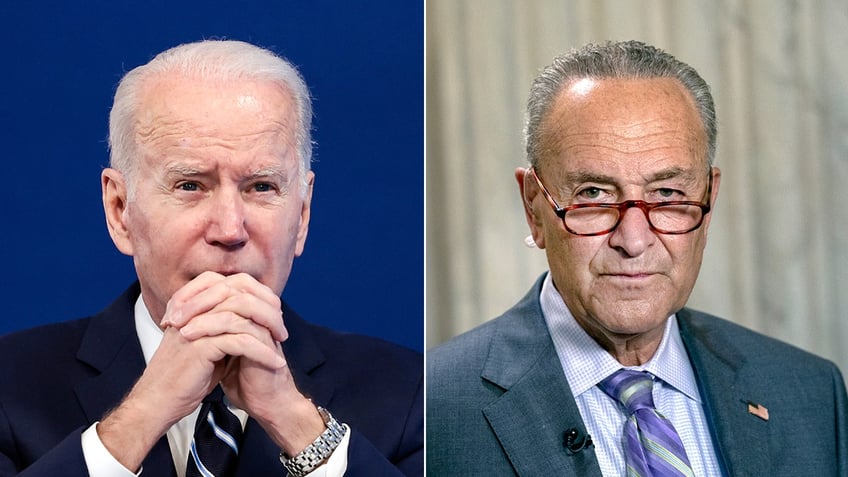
[575,441]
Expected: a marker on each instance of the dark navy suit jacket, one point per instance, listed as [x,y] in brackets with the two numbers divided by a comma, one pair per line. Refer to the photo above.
[498,402]
[56,380]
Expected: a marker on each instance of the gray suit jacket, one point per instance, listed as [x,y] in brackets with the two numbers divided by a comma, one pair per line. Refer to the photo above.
[498,402]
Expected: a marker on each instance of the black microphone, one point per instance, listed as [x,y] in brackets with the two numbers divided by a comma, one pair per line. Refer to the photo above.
[575,441]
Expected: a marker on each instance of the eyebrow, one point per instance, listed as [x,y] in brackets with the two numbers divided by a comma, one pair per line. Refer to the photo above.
[582,176]
[687,175]
[579,177]
[269,172]
[183,171]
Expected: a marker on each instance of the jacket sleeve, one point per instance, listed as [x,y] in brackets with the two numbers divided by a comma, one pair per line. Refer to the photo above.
[66,458]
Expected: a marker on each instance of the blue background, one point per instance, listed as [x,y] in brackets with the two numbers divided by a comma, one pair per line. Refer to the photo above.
[362,270]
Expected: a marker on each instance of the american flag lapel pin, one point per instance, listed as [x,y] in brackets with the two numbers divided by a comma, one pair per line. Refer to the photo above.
[758,410]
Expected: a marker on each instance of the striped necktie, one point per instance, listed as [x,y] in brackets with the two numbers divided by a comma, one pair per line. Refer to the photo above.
[217,435]
[652,447]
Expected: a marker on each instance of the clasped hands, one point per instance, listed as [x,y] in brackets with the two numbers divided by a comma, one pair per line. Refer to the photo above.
[225,329]
[217,329]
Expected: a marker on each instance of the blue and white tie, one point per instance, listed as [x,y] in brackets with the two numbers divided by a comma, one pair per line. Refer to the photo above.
[217,436]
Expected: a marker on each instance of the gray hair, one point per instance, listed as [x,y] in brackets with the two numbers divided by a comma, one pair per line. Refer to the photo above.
[613,60]
[218,59]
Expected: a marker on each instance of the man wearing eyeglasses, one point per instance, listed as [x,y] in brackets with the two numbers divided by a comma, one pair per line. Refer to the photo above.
[600,369]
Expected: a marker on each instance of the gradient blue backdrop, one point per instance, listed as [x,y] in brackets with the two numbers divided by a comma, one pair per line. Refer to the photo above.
[362,269]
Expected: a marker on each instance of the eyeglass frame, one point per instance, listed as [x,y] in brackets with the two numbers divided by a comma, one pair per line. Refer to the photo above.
[622,207]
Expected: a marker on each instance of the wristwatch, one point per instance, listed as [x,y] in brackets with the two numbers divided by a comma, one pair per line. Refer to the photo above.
[319,451]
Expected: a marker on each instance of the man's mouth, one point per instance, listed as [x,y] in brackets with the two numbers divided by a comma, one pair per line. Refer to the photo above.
[629,275]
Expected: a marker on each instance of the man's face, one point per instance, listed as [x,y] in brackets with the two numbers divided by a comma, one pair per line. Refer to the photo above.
[611,141]
[217,186]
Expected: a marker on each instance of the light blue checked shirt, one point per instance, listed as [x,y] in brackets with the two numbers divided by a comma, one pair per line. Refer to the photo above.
[676,395]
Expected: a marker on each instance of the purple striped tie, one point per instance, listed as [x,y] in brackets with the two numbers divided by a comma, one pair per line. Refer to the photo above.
[652,447]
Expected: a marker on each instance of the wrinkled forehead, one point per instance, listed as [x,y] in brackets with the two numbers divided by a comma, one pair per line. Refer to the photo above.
[248,115]
[225,104]
[637,119]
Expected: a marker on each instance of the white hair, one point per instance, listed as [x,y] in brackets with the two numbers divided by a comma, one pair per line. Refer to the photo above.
[217,59]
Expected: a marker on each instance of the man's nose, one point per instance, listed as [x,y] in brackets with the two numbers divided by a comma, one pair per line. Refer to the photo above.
[227,220]
[633,235]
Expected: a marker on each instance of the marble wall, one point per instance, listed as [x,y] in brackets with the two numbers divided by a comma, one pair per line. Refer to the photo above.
[777,258]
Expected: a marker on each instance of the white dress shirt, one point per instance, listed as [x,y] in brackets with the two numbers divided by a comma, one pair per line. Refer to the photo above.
[676,394]
[101,463]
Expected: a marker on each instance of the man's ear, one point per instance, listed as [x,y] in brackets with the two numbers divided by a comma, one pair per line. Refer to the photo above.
[716,177]
[305,210]
[529,190]
[114,191]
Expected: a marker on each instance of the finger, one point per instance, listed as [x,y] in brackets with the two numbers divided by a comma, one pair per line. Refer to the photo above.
[247,283]
[175,311]
[210,290]
[261,312]
[182,371]
[242,295]
[247,347]
[270,319]
[216,323]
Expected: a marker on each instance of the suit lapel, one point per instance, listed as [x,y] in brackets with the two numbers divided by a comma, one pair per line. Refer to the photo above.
[305,356]
[259,454]
[741,437]
[111,346]
[531,416]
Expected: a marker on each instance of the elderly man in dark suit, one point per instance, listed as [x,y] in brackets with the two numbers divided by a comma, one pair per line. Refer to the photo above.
[600,369]
[199,368]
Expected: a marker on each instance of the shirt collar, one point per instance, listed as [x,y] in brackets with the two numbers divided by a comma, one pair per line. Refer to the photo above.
[586,363]
[149,333]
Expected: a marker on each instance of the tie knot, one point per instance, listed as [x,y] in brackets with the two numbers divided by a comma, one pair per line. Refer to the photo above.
[633,389]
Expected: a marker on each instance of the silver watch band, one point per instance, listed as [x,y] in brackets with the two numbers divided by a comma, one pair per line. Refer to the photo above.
[319,451]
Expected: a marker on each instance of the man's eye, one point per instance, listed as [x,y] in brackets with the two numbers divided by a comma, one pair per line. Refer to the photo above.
[188,186]
[263,187]
[666,193]
[590,193]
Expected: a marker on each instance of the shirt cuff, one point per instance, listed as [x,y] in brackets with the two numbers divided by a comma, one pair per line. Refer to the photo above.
[100,461]
[336,465]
